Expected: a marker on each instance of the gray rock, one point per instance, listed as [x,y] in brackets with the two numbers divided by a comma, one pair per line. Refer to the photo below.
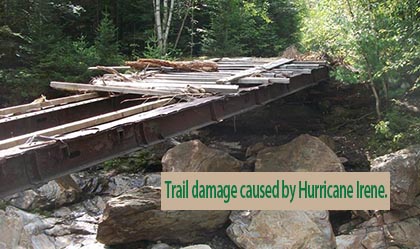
[152,179]
[197,247]
[194,156]
[404,166]
[48,196]
[122,183]
[361,239]
[12,234]
[138,216]
[304,153]
[281,229]
[254,149]
[397,227]
[353,241]
[161,246]
[41,241]
[405,233]
[329,141]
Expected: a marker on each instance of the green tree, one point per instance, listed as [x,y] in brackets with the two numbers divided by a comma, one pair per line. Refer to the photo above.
[106,43]
[377,42]
[251,27]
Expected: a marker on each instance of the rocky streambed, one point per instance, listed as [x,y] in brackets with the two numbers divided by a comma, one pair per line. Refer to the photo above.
[107,208]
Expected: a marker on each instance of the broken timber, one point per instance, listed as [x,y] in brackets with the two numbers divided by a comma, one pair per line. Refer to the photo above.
[47,156]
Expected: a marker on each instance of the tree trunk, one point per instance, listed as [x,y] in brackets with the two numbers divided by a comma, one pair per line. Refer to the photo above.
[165,15]
[192,28]
[377,100]
[158,23]
[168,26]
[181,28]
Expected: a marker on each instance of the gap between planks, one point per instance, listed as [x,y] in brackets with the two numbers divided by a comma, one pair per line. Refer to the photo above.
[82,124]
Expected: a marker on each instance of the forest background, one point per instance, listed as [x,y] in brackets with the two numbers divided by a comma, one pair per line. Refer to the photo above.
[370,42]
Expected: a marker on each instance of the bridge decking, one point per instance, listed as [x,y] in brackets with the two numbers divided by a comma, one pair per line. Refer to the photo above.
[42,141]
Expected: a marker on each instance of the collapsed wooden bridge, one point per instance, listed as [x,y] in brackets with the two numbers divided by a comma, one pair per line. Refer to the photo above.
[120,113]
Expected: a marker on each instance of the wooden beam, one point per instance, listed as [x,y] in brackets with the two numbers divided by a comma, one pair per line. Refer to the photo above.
[261,80]
[171,85]
[82,124]
[255,70]
[86,87]
[51,109]
[112,67]
[48,103]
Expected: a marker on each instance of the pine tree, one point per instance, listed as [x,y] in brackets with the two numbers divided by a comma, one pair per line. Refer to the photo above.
[106,43]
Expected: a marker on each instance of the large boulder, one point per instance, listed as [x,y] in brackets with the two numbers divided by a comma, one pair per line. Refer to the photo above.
[304,153]
[138,216]
[404,166]
[51,195]
[194,156]
[400,228]
[281,229]
[19,229]
[362,239]
[197,247]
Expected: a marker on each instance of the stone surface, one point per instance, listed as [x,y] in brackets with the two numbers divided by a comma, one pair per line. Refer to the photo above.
[137,216]
[122,183]
[281,229]
[152,179]
[372,238]
[400,228]
[405,233]
[161,246]
[254,149]
[197,247]
[48,196]
[404,166]
[329,141]
[69,227]
[12,234]
[304,153]
[194,156]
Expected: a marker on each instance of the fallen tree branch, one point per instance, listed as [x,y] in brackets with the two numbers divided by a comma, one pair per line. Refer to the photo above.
[351,121]
[113,71]
[187,66]
[406,106]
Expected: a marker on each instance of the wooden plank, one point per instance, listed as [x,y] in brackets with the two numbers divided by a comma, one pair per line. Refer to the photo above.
[113,67]
[255,70]
[52,109]
[268,78]
[175,85]
[82,124]
[48,103]
[311,62]
[261,80]
[86,87]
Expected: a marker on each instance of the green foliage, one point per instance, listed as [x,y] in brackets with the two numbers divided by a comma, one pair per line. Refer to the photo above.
[139,161]
[3,205]
[106,44]
[377,41]
[68,61]
[10,51]
[257,28]
[398,130]
[153,51]
[42,212]
[21,85]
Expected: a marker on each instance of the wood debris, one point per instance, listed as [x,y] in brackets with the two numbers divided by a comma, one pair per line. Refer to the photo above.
[187,80]
[186,66]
